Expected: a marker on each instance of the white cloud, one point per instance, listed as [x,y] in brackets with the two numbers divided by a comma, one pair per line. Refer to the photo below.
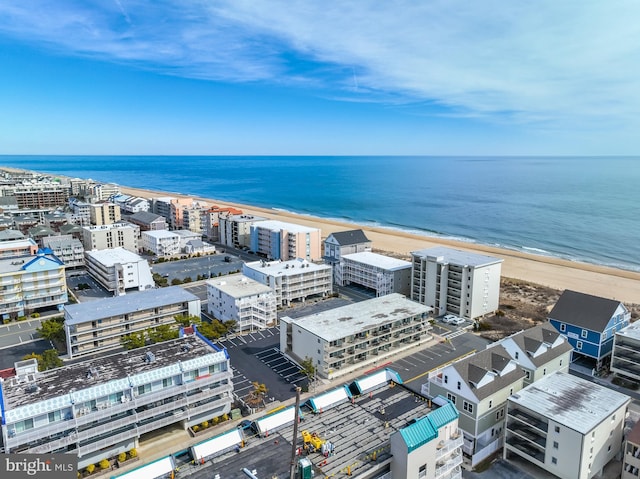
[545,62]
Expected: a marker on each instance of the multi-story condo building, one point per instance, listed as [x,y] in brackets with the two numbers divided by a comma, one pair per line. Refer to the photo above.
[17,246]
[631,451]
[171,208]
[211,220]
[382,274]
[430,447]
[82,210]
[457,282]
[239,298]
[342,243]
[148,221]
[100,407]
[103,191]
[118,270]
[104,213]
[479,386]
[56,220]
[566,425]
[235,229]
[162,243]
[66,248]
[131,204]
[539,351]
[294,280]
[116,235]
[34,195]
[625,355]
[589,323]
[344,339]
[31,283]
[285,241]
[192,217]
[96,327]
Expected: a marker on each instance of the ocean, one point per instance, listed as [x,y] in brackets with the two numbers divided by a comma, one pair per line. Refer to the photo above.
[580,209]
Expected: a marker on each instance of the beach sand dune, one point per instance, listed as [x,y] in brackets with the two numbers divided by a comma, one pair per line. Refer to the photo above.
[555,273]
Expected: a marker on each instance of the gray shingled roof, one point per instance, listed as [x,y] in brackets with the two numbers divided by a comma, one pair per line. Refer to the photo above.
[473,368]
[531,339]
[584,310]
[350,237]
[146,217]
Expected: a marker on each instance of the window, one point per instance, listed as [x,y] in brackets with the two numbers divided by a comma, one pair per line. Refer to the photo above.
[544,371]
[55,416]
[563,327]
[557,428]
[579,345]
[490,403]
[446,379]
[459,385]
[451,398]
[555,444]
[144,389]
[467,406]
[561,362]
[517,354]
[499,413]
[554,460]
[584,333]
[167,382]
[422,472]
[527,374]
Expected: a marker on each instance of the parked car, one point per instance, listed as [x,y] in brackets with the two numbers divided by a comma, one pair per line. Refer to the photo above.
[448,318]
[457,321]
[227,259]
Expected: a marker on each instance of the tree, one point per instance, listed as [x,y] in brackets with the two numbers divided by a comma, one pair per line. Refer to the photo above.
[186,320]
[53,330]
[307,368]
[133,341]
[49,359]
[162,333]
[256,397]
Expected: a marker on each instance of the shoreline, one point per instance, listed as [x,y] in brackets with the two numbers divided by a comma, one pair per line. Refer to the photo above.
[608,282]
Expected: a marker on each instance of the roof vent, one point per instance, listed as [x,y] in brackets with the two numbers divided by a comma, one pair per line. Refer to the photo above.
[149,357]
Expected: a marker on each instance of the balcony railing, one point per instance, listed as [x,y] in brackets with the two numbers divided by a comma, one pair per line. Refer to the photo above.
[455,442]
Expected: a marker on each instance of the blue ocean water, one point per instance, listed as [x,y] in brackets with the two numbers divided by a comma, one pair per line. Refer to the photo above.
[582,209]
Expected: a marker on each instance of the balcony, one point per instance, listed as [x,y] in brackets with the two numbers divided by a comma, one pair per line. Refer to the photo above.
[525,448]
[529,419]
[443,468]
[455,442]
[528,433]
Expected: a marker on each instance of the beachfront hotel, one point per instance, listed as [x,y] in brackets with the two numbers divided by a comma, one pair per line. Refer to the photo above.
[235,229]
[252,305]
[118,270]
[293,280]
[116,235]
[380,273]
[566,425]
[344,339]
[279,240]
[96,327]
[457,282]
[31,283]
[98,408]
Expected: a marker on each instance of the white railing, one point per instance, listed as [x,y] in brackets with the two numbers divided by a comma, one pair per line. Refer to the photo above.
[448,466]
[452,444]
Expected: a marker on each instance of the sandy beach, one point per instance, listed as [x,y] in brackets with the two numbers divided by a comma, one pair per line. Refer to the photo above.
[555,273]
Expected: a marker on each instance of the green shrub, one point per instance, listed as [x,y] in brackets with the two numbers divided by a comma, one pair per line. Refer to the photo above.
[21,318]
[35,315]
[195,428]
[122,456]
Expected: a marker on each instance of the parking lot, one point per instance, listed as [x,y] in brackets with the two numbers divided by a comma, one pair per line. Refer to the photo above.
[209,266]
[281,365]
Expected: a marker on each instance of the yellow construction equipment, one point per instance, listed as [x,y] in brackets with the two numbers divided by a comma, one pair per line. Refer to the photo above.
[312,441]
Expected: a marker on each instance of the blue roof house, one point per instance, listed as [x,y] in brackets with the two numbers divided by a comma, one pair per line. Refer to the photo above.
[589,323]
[429,447]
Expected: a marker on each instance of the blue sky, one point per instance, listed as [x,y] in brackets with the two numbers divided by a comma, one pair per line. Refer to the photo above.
[292,77]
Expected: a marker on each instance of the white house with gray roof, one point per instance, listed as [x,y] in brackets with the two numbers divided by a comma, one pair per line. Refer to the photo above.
[380,273]
[566,425]
[342,243]
[98,326]
[344,339]
[457,282]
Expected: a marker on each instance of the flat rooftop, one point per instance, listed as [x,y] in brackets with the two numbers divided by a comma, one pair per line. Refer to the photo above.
[112,256]
[378,260]
[456,256]
[111,226]
[632,331]
[281,225]
[356,431]
[571,401]
[340,322]
[290,267]
[98,377]
[245,218]
[128,303]
[238,286]
[161,234]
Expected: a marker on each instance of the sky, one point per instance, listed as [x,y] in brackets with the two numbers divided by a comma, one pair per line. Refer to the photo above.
[287,77]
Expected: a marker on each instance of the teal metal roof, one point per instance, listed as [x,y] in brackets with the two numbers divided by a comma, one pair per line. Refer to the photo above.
[443,415]
[418,433]
[426,428]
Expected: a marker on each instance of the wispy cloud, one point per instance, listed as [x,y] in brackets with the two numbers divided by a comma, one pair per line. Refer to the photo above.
[542,62]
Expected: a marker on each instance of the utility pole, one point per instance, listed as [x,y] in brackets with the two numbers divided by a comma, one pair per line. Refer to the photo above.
[294,441]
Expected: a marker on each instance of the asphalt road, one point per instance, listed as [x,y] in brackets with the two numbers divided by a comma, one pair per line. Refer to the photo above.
[18,333]
[10,355]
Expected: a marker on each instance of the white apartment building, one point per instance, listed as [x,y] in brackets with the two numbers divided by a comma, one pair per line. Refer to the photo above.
[96,327]
[625,356]
[118,270]
[162,243]
[66,248]
[104,191]
[566,425]
[116,235]
[294,280]
[382,274]
[82,210]
[348,338]
[100,407]
[186,237]
[31,283]
[285,241]
[239,298]
[458,282]
[20,246]
[235,229]
[104,213]
[631,457]
[131,204]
